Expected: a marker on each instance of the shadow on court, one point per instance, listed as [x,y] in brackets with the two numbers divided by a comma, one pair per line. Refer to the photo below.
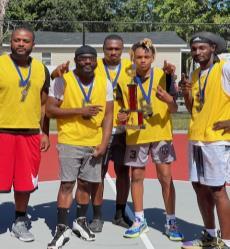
[47,211]
[156,219]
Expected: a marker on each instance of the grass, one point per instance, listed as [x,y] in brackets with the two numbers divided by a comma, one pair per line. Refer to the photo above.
[180,121]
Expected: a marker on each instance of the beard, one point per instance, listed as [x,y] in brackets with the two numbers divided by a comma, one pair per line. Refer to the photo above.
[17,54]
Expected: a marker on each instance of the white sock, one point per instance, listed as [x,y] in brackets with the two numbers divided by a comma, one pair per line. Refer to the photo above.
[170,217]
[212,232]
[226,242]
[140,215]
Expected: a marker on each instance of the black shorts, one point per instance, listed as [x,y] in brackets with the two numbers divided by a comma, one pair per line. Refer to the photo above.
[114,152]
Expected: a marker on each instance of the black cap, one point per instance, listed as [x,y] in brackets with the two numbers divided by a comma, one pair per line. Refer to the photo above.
[211,38]
[85,50]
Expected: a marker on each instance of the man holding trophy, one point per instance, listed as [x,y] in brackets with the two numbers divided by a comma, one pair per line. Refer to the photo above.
[149,130]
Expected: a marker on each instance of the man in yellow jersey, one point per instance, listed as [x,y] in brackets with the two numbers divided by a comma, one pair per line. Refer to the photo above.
[207,97]
[82,103]
[155,139]
[114,69]
[24,85]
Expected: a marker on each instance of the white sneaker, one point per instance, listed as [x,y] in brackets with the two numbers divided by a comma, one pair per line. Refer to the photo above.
[21,231]
[62,236]
[82,230]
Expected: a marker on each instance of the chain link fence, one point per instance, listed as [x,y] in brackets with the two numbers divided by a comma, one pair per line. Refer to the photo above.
[183,30]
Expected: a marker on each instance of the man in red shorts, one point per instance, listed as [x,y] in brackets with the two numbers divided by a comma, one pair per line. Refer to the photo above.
[24,84]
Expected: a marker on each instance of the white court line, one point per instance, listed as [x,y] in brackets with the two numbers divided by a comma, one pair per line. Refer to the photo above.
[143,236]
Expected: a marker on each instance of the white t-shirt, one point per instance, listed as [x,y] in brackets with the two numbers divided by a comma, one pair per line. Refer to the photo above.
[225,80]
[56,89]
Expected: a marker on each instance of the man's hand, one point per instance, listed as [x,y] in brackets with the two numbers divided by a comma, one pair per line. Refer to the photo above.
[222,125]
[122,116]
[186,86]
[169,68]
[45,143]
[99,150]
[163,95]
[60,70]
[90,111]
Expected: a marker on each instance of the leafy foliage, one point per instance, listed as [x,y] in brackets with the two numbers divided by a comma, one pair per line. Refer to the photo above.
[183,16]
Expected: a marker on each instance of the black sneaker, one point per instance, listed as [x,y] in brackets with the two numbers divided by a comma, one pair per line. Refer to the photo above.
[62,235]
[96,225]
[82,230]
[205,241]
[221,245]
[123,221]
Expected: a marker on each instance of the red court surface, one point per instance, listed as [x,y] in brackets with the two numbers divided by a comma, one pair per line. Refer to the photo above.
[49,166]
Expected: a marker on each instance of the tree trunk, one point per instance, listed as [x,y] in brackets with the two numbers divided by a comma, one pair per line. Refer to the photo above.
[3,5]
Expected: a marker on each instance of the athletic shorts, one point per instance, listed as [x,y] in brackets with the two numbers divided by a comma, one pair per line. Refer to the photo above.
[78,162]
[19,162]
[115,152]
[161,152]
[209,164]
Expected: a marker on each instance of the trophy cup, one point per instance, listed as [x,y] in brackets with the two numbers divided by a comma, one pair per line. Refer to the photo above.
[136,117]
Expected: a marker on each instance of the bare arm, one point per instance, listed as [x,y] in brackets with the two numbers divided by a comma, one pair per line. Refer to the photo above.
[107,125]
[44,123]
[167,98]
[53,110]
[60,70]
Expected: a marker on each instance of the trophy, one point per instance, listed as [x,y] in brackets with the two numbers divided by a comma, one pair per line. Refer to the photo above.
[136,116]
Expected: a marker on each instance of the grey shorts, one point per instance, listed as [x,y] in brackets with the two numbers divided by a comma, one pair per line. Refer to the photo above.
[209,164]
[115,152]
[77,162]
[161,152]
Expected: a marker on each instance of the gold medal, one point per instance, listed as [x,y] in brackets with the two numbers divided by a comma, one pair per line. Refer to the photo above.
[147,110]
[85,103]
[200,106]
[25,92]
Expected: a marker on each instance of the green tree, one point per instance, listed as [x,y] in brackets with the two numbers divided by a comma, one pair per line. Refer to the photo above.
[3,5]
[61,15]
[187,17]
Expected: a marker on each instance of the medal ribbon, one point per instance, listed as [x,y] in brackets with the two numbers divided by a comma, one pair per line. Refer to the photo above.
[202,90]
[114,83]
[22,81]
[147,97]
[86,96]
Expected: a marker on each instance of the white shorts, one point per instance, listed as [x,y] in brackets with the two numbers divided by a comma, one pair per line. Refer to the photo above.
[161,152]
[209,164]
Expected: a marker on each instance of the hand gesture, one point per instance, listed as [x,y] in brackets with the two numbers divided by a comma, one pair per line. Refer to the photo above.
[60,70]
[90,111]
[186,86]
[163,95]
[169,68]
[222,125]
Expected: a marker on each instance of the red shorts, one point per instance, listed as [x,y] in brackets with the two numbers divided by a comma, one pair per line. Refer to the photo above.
[19,162]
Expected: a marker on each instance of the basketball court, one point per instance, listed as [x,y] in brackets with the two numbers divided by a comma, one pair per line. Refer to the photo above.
[42,209]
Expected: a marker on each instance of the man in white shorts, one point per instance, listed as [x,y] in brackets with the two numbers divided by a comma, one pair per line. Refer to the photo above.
[155,139]
[82,103]
[207,97]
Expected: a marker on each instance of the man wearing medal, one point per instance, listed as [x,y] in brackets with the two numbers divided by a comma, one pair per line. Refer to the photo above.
[156,138]
[114,69]
[207,97]
[24,85]
[82,102]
